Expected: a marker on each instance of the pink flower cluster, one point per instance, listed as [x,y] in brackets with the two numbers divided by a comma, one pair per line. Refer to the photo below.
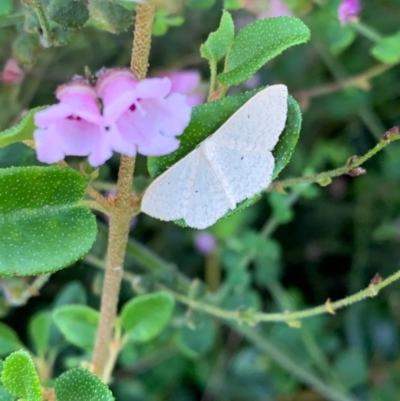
[118,114]
[348,11]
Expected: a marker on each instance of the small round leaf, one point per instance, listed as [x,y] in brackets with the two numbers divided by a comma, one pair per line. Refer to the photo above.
[81,385]
[43,226]
[20,378]
[145,316]
[68,13]
[78,323]
[258,43]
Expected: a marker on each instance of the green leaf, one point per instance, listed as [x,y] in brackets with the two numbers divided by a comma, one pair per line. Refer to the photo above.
[268,260]
[72,293]
[39,331]
[129,5]
[219,42]
[24,130]
[246,299]
[160,27]
[208,117]
[232,4]
[5,395]
[26,48]
[200,4]
[199,339]
[281,208]
[6,7]
[78,323]
[145,316]
[110,16]
[326,26]
[19,377]
[284,149]
[175,21]
[387,49]
[81,385]
[351,368]
[68,13]
[43,226]
[258,43]
[9,340]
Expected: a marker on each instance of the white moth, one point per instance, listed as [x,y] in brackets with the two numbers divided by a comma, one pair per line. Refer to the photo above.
[233,164]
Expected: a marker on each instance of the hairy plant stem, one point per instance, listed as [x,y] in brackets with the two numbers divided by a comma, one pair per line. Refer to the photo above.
[121,214]
[142,40]
[47,34]
[365,30]
[120,218]
[361,81]
[324,177]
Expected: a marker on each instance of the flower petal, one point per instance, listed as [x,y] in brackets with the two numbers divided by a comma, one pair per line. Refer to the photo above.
[184,81]
[121,141]
[49,146]
[153,88]
[52,114]
[162,145]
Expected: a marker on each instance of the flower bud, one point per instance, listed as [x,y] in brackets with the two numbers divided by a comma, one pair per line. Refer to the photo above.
[348,11]
[204,242]
[12,73]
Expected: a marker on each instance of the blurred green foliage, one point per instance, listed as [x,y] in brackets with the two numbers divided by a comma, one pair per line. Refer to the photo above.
[285,252]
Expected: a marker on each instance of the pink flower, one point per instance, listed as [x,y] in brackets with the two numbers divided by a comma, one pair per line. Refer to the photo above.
[348,11]
[12,73]
[204,242]
[144,116]
[74,126]
[186,82]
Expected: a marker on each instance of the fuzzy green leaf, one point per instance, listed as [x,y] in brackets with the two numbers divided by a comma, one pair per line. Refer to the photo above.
[23,130]
[219,42]
[20,378]
[78,323]
[68,13]
[258,43]
[81,385]
[43,226]
[110,16]
[144,317]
